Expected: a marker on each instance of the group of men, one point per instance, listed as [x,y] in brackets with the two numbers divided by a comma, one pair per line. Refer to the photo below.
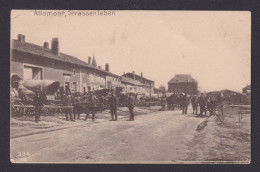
[73,105]
[204,103]
[183,100]
[113,103]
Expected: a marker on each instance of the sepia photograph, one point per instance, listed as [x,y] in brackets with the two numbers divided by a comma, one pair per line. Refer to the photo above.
[130,87]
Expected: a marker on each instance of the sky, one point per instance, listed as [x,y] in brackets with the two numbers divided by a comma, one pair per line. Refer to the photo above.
[213,46]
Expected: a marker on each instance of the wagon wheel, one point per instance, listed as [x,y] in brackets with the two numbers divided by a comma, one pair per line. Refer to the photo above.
[21,110]
[52,112]
[14,111]
[45,110]
[49,111]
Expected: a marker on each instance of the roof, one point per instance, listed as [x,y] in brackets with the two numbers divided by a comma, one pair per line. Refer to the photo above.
[248,87]
[47,53]
[228,91]
[131,81]
[182,78]
[138,76]
[158,90]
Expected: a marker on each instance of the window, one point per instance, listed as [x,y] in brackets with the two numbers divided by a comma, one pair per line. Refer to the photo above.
[66,77]
[74,86]
[34,73]
[74,72]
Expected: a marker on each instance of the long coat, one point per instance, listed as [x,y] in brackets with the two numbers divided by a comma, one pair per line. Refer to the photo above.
[67,100]
[202,101]
[113,102]
[38,101]
[130,101]
[185,100]
[93,101]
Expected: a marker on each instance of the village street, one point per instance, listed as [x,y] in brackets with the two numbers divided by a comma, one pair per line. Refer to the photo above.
[158,136]
[161,136]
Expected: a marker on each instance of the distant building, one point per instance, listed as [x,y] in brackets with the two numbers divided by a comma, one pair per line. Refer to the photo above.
[247,90]
[231,96]
[32,61]
[159,91]
[130,85]
[148,85]
[183,83]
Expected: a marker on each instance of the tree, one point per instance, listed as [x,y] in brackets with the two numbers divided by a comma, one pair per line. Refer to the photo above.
[162,88]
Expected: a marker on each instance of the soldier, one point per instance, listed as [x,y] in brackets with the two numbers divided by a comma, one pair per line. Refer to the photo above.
[163,102]
[113,107]
[76,105]
[92,106]
[202,104]
[185,103]
[194,103]
[130,102]
[67,101]
[212,104]
[38,102]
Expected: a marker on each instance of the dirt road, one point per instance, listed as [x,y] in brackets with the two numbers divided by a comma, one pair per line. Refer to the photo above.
[158,136]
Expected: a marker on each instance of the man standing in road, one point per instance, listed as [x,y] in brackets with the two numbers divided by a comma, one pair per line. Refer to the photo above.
[163,102]
[130,101]
[194,103]
[185,103]
[202,104]
[113,107]
[92,106]
[68,102]
[38,102]
[76,105]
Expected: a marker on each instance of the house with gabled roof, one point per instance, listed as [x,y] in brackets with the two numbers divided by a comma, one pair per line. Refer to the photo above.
[183,83]
[37,62]
[147,84]
[131,85]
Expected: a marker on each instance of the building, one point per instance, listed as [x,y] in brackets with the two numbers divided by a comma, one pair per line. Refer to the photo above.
[131,85]
[247,90]
[232,96]
[148,85]
[183,83]
[159,91]
[32,61]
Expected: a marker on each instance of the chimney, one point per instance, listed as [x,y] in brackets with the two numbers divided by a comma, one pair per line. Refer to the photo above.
[134,74]
[46,45]
[107,67]
[21,38]
[94,63]
[141,74]
[89,59]
[55,46]
[99,67]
